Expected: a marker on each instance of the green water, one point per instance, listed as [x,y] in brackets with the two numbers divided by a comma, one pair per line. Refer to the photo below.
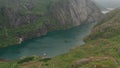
[53,44]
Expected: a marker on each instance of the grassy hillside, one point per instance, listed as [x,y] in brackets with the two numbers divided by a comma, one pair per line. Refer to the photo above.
[102,50]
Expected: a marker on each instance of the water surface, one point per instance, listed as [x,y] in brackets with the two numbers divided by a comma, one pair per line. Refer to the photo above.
[54,43]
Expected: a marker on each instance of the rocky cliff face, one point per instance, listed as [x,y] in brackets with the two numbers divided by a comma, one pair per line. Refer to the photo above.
[68,12]
[75,12]
[33,18]
[17,13]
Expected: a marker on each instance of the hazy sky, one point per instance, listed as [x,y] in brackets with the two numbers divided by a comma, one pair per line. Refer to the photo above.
[109,3]
[108,0]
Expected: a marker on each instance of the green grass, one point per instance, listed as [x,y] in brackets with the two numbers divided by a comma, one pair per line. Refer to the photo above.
[9,65]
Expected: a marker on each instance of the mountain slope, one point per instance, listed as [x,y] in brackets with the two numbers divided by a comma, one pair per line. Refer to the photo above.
[26,19]
[102,49]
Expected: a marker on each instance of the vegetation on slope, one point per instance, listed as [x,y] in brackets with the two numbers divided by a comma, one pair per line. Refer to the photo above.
[102,50]
[25,19]
[32,8]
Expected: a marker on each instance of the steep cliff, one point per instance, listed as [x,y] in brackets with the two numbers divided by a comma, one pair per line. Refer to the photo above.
[26,19]
[75,12]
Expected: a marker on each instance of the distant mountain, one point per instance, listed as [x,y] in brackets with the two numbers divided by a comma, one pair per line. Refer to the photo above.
[108,3]
[101,7]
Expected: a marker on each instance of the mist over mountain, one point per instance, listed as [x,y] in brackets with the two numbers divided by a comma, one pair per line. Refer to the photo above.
[108,3]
